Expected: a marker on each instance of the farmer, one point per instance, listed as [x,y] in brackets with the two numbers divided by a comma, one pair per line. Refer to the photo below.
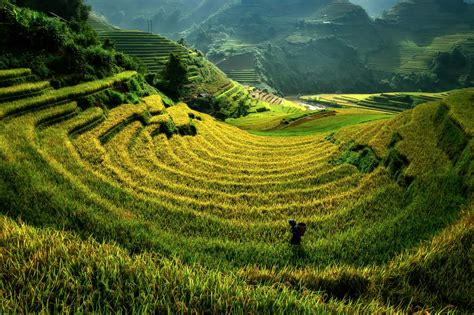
[298,231]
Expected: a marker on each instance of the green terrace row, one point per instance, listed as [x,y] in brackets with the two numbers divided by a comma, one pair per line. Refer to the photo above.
[62,95]
[248,75]
[15,76]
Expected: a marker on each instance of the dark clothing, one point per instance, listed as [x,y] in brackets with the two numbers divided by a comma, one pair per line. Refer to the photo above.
[296,239]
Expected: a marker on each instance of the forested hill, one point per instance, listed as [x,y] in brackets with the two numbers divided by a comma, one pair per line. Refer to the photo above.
[333,46]
[301,46]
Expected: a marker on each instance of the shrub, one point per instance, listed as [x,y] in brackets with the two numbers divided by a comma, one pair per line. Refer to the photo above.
[168,128]
[133,98]
[114,98]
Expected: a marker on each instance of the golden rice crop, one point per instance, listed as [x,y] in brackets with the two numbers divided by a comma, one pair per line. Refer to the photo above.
[222,198]
[154,104]
[66,93]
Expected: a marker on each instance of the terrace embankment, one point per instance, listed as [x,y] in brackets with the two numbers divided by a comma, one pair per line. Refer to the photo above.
[182,208]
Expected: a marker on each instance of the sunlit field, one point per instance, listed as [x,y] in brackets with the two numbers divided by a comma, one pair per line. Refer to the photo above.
[193,219]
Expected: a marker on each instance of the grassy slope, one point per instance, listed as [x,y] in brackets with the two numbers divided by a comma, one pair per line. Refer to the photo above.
[265,123]
[187,223]
[153,51]
[268,119]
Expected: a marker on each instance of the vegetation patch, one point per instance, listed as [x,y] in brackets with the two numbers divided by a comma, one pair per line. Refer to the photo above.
[362,157]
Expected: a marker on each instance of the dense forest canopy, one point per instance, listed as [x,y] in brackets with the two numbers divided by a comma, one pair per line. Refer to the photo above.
[67,9]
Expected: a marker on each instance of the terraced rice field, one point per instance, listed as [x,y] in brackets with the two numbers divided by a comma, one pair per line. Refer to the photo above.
[385,102]
[122,168]
[153,50]
[409,56]
[201,220]
[244,76]
[235,94]
[266,97]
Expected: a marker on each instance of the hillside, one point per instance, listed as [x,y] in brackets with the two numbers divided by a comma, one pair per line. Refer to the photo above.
[376,7]
[174,196]
[136,177]
[168,17]
[324,46]
[209,89]
[333,46]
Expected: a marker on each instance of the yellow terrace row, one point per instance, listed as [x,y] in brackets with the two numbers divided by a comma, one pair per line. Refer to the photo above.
[222,144]
[53,138]
[33,103]
[157,184]
[181,156]
[144,155]
[231,133]
[311,202]
[183,150]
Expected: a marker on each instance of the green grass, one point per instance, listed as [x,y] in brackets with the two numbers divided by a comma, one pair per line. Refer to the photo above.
[271,123]
[269,119]
[323,125]
[152,222]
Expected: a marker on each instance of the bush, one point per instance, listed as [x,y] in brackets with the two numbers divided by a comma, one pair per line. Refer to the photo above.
[115,98]
[133,98]
[168,128]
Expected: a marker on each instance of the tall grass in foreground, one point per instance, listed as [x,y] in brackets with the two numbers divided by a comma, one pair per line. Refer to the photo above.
[46,270]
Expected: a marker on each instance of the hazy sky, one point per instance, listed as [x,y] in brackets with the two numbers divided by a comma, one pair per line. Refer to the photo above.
[375,7]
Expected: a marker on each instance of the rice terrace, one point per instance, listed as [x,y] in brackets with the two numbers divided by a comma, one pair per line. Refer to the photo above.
[237,157]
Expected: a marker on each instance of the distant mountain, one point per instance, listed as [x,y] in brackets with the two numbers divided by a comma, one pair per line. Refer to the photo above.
[377,7]
[168,17]
[299,46]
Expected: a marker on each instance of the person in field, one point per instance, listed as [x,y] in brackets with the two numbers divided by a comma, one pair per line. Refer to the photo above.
[297,231]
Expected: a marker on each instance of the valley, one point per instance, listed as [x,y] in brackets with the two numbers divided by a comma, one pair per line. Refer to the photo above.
[139,174]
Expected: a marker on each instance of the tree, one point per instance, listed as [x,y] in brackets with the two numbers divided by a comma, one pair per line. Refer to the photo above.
[176,74]
[449,65]
[67,9]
